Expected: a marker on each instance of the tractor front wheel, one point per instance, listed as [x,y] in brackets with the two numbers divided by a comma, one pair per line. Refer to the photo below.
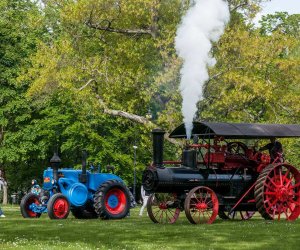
[112,200]
[26,202]
[58,207]
[201,205]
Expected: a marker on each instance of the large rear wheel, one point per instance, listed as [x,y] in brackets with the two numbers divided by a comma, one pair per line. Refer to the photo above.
[112,200]
[277,192]
[201,205]
[163,208]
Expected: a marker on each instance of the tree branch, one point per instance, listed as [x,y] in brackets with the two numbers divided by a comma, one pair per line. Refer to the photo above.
[106,25]
[121,31]
[87,84]
[135,118]
[234,8]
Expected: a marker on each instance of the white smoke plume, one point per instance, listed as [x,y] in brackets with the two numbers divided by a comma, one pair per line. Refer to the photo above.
[203,24]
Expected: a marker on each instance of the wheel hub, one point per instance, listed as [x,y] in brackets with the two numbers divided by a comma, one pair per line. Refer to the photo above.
[201,206]
[163,206]
[60,207]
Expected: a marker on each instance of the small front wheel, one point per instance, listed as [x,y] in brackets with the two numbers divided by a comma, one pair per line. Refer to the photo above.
[201,205]
[163,208]
[26,203]
[58,207]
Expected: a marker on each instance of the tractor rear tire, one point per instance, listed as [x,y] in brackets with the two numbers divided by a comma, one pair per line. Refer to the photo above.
[112,200]
[58,207]
[26,201]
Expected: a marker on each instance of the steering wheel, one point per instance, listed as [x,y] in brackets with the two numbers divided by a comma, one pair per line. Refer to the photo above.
[237,148]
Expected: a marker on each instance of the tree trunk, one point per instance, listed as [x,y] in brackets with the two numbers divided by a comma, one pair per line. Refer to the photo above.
[4,185]
[5,196]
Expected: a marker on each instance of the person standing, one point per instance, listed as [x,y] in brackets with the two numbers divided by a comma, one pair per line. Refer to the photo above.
[145,197]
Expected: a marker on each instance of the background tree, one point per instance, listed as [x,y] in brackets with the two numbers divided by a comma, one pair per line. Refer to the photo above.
[19,30]
[99,75]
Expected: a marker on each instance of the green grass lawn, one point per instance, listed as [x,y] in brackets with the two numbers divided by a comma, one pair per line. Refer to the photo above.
[137,232]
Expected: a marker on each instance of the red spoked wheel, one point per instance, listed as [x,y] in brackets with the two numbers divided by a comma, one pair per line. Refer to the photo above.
[163,208]
[58,207]
[236,215]
[277,192]
[201,205]
[115,201]
[25,204]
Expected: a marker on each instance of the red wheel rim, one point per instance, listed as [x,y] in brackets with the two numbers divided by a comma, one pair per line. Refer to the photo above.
[282,193]
[115,201]
[28,203]
[201,205]
[60,208]
[163,208]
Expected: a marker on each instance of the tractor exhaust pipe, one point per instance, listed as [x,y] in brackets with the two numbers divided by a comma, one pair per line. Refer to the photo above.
[55,162]
[158,147]
[83,176]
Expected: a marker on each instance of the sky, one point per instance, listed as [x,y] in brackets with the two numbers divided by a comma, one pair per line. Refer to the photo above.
[290,6]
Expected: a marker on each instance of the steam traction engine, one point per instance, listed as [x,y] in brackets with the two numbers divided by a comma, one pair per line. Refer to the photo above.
[222,177]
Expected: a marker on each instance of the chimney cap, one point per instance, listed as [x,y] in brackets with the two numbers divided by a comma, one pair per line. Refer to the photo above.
[55,161]
[158,131]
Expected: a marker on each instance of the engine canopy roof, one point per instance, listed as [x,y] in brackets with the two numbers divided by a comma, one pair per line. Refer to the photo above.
[238,130]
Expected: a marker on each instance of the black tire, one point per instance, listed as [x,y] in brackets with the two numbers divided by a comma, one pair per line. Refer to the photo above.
[112,200]
[26,201]
[58,207]
[85,212]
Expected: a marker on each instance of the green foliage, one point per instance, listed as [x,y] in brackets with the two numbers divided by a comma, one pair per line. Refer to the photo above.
[281,22]
[20,28]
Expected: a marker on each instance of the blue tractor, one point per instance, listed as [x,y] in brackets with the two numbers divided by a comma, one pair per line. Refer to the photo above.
[87,195]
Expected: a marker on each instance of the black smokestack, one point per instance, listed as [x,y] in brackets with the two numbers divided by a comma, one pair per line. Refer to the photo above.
[83,176]
[158,147]
[55,163]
